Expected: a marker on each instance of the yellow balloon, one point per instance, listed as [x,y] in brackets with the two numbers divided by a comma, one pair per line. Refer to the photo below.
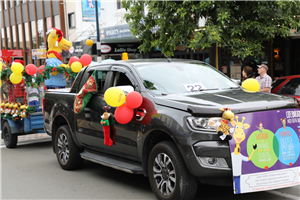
[76,66]
[15,78]
[114,96]
[1,66]
[251,84]
[89,42]
[17,68]
[0,83]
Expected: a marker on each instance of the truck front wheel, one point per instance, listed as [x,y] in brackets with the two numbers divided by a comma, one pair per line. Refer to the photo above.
[169,177]
[67,153]
[10,139]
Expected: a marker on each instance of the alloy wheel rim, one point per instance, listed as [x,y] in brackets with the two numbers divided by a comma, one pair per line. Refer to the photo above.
[63,148]
[6,135]
[164,174]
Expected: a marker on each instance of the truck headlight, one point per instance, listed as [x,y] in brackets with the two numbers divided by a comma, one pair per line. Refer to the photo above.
[200,123]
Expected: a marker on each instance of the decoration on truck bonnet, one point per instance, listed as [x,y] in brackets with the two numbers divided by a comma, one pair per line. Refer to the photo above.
[224,129]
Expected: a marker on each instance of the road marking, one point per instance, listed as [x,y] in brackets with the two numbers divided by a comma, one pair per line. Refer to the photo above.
[283,194]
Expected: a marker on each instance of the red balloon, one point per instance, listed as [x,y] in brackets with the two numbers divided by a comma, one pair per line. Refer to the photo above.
[31,69]
[85,59]
[41,69]
[134,99]
[74,59]
[123,114]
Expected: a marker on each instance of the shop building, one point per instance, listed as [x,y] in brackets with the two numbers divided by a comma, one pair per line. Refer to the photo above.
[24,24]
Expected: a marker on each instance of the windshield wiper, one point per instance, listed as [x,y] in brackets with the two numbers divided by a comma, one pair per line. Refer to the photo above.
[208,89]
[231,88]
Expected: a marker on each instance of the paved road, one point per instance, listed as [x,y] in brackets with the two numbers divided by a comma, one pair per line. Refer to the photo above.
[31,171]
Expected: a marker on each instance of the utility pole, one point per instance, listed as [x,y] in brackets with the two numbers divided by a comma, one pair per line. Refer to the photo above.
[98,34]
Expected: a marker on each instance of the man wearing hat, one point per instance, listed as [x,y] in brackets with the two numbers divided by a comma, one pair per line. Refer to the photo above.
[264,79]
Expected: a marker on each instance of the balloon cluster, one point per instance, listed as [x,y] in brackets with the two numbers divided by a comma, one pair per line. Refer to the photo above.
[77,63]
[115,97]
[17,69]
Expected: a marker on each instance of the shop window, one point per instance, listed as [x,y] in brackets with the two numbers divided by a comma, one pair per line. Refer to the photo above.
[41,33]
[49,23]
[24,1]
[119,4]
[27,40]
[14,37]
[2,39]
[20,36]
[71,18]
[5,4]
[57,21]
[8,38]
[33,34]
[11,2]
[17,2]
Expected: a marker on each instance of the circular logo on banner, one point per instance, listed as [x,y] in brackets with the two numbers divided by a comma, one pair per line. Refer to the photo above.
[71,50]
[265,155]
[105,48]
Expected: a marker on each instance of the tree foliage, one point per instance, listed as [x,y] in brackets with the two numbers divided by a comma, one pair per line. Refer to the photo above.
[239,27]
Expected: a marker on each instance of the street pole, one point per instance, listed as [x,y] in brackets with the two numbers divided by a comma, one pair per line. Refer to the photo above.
[98,34]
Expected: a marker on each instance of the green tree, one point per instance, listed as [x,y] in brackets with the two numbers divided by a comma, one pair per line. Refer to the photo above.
[239,27]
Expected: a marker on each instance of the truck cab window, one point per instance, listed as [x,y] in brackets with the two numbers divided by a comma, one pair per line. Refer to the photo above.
[121,79]
[100,79]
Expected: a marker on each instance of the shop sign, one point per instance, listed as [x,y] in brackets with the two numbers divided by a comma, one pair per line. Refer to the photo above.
[118,48]
[105,48]
[38,53]
[12,53]
[89,11]
[116,32]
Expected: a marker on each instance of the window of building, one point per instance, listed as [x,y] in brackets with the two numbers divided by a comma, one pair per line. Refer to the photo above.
[17,2]
[57,21]
[41,33]
[5,5]
[11,2]
[2,39]
[27,41]
[20,36]
[8,38]
[119,4]
[71,18]
[33,33]
[14,37]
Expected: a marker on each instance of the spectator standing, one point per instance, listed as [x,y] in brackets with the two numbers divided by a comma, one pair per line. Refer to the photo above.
[264,79]
[247,73]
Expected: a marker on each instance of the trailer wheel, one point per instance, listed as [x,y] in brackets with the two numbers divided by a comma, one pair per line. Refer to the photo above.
[67,152]
[10,140]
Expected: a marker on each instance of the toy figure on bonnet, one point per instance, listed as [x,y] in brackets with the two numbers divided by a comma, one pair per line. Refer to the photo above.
[224,129]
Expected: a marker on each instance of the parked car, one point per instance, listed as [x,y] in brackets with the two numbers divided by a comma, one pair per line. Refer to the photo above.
[287,85]
[172,137]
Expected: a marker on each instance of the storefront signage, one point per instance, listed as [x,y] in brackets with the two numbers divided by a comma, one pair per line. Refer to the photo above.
[12,53]
[38,53]
[116,32]
[265,150]
[105,48]
[89,12]
[118,48]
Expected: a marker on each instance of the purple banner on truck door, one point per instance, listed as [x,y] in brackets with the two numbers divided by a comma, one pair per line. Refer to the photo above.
[265,150]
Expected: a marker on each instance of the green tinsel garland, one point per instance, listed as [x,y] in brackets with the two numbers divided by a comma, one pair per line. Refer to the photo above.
[67,72]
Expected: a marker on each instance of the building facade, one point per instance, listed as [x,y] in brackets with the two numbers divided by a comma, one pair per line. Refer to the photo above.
[24,24]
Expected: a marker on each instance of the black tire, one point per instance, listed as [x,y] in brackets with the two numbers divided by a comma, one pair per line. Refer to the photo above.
[10,140]
[182,185]
[67,152]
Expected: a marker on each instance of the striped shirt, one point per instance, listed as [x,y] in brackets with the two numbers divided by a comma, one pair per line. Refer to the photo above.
[33,94]
[265,81]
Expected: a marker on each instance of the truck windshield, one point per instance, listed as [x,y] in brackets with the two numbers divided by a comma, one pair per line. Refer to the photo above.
[168,78]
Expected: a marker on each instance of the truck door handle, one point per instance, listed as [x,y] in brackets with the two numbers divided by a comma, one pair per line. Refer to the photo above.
[140,114]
